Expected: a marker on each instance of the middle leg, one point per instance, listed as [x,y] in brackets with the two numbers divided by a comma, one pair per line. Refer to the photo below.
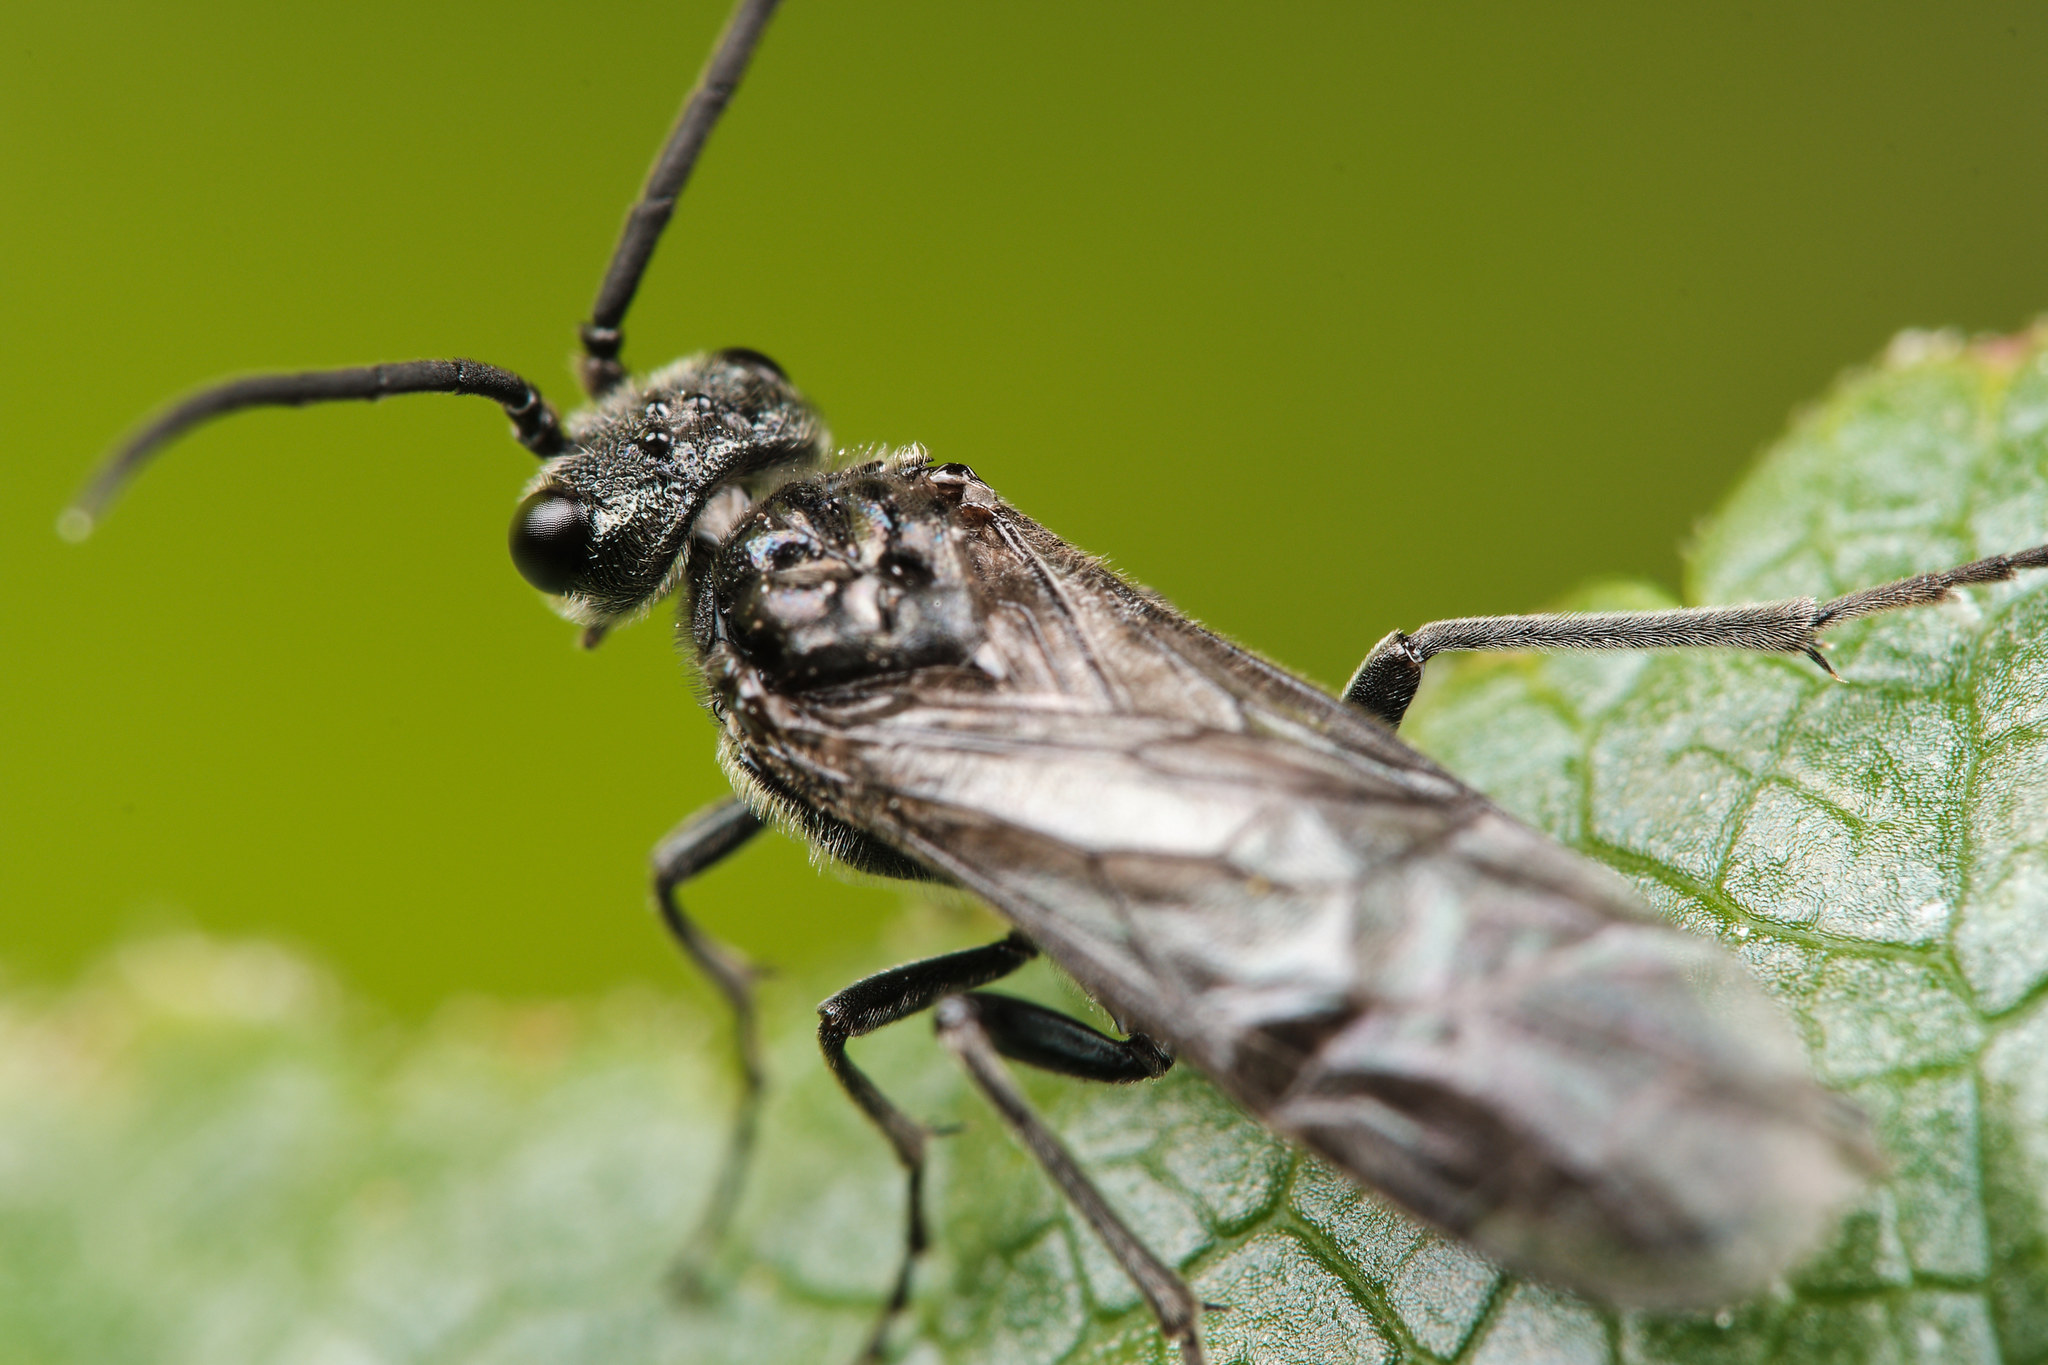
[875,1002]
[1023,1032]
[982,1027]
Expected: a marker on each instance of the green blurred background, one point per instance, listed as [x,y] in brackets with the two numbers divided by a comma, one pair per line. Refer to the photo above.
[1321,319]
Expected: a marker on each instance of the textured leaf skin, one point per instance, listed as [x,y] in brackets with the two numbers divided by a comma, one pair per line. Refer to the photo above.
[206,1154]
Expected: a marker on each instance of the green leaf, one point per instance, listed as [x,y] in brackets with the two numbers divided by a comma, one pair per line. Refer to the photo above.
[208,1153]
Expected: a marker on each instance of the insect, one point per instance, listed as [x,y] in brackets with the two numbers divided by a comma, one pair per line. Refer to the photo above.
[1250,875]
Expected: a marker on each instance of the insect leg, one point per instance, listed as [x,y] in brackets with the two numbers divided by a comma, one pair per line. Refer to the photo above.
[1060,1043]
[1385,683]
[964,1025]
[701,841]
[882,999]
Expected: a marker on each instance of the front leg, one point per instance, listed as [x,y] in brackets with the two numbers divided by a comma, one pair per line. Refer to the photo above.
[699,843]
[1385,683]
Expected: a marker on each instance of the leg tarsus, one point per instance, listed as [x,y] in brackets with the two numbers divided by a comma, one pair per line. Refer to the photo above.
[899,1293]
[1173,1304]
[1927,588]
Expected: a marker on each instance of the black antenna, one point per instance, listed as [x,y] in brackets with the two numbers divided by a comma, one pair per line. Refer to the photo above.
[533,421]
[601,371]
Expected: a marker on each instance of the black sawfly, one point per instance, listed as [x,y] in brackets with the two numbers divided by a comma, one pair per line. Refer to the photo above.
[1245,872]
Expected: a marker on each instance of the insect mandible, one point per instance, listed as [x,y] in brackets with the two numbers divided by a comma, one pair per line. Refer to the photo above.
[925,683]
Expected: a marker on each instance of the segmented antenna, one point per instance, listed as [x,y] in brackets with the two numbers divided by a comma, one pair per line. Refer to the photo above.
[533,421]
[600,370]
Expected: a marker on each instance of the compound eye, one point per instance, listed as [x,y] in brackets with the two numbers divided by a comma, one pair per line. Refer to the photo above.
[551,540]
[740,355]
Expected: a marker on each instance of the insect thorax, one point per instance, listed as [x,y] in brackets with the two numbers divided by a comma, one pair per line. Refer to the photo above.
[853,575]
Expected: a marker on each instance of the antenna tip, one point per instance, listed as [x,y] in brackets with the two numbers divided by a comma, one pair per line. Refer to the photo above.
[74,524]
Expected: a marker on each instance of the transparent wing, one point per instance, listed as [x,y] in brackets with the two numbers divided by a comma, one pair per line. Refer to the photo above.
[1384,966]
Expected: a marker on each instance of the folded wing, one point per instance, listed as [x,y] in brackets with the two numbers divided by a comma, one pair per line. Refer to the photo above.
[1446,1004]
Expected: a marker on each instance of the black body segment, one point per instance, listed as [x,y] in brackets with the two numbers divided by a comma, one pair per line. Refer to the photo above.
[1059,1043]
[644,464]
[824,583]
